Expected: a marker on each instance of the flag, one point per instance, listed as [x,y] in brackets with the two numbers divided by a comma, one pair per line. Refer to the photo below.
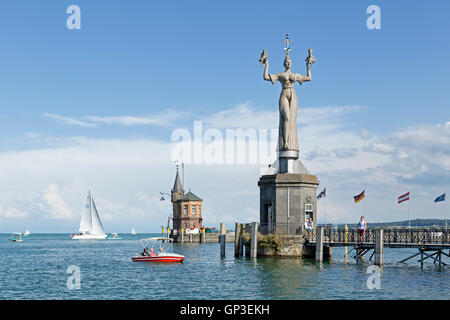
[359,197]
[322,194]
[440,198]
[403,197]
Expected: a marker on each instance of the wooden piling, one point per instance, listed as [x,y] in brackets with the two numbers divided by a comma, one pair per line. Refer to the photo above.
[254,241]
[241,246]
[222,246]
[379,247]
[203,238]
[319,244]
[190,237]
[346,240]
[237,236]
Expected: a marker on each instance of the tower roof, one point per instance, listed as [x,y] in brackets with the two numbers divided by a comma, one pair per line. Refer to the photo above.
[177,186]
[190,197]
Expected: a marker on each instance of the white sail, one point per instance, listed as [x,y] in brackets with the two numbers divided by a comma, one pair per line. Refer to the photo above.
[97,227]
[133,231]
[86,216]
[91,227]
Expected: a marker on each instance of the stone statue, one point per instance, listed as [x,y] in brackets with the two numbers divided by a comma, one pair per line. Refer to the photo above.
[288,102]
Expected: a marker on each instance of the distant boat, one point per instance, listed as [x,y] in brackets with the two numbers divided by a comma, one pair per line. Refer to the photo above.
[16,237]
[91,227]
[114,236]
[133,231]
[27,233]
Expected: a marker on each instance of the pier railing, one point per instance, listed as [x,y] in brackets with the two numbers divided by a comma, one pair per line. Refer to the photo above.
[390,236]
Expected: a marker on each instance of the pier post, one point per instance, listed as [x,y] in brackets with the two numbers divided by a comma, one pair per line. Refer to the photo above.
[254,240]
[319,244]
[222,246]
[237,236]
[379,247]
[346,240]
[182,235]
[190,237]
[203,236]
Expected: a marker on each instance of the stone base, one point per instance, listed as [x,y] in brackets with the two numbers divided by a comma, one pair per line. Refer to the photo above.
[310,252]
[288,246]
[285,200]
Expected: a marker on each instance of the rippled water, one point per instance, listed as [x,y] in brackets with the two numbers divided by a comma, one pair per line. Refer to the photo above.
[36,269]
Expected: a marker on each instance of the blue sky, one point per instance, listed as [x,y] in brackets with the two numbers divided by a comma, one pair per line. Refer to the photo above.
[173,62]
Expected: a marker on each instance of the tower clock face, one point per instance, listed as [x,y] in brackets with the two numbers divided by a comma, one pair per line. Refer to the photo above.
[308,198]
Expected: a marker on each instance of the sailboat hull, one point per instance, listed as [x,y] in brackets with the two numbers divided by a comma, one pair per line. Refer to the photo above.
[89,237]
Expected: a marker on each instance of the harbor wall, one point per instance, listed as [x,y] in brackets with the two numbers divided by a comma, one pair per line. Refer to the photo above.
[197,238]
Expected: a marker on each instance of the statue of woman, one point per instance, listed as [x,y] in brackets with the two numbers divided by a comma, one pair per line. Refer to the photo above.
[288,99]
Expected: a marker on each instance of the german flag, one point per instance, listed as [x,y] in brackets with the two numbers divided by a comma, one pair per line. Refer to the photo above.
[359,197]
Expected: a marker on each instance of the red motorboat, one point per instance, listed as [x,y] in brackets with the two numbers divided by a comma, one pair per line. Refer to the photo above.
[163,254]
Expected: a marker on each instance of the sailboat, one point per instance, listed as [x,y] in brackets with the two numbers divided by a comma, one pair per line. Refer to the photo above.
[91,227]
[133,231]
[27,233]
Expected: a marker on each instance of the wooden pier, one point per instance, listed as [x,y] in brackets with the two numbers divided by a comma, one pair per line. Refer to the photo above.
[431,243]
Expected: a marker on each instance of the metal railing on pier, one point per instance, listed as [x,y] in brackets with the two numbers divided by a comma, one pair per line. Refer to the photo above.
[390,236]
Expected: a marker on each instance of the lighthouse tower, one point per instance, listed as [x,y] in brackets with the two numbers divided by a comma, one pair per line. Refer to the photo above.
[187,209]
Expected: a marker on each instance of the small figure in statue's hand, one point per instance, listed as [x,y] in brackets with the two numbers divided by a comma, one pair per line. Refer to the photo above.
[263,58]
[310,59]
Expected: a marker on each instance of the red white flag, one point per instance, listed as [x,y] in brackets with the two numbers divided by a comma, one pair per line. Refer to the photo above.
[403,197]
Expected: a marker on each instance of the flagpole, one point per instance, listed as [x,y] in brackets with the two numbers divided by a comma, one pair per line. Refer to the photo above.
[364,212]
[325,209]
[409,218]
[445,213]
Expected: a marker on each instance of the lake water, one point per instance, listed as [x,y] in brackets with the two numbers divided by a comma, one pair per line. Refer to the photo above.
[36,269]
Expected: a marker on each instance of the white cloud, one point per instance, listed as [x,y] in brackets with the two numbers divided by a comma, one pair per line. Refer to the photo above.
[52,205]
[69,120]
[167,117]
[128,174]
[12,213]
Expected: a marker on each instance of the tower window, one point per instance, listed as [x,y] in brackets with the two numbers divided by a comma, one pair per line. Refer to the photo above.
[308,211]
[185,209]
[194,211]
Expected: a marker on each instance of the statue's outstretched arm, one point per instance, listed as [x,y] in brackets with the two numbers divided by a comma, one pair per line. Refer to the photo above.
[266,71]
[269,77]
[308,73]
[300,78]
[265,60]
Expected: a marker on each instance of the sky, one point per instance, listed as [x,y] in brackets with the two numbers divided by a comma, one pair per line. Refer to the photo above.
[98,106]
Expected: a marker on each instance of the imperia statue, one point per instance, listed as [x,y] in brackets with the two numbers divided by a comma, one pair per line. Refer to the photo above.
[288,102]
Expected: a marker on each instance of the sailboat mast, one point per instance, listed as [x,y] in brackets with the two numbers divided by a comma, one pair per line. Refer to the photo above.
[90,207]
